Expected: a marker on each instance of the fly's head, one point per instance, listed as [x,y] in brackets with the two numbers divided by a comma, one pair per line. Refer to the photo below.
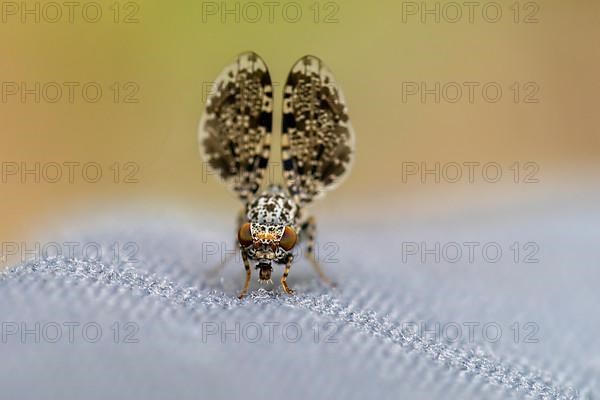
[266,243]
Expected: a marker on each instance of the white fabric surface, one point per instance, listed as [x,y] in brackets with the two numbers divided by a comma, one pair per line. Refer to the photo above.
[167,295]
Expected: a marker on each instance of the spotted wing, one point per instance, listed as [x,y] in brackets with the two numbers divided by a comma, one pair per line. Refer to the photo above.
[235,129]
[317,138]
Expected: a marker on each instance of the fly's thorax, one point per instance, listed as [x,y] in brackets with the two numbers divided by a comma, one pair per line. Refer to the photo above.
[273,208]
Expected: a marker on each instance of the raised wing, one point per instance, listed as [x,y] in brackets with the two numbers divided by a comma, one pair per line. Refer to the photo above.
[317,138]
[235,129]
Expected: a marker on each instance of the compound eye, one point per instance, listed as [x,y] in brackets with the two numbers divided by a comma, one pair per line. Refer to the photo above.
[288,240]
[244,235]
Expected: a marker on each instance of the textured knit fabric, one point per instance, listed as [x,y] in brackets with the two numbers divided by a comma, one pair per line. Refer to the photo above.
[177,334]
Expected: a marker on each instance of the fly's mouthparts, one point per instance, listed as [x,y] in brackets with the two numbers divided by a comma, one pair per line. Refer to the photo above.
[264,272]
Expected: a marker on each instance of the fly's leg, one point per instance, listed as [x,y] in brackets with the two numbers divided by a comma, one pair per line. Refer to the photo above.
[217,269]
[310,228]
[244,291]
[288,265]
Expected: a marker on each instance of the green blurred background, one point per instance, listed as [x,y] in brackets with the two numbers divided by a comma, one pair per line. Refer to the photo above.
[175,49]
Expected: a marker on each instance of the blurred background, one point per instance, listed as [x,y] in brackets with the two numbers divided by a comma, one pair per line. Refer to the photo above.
[100,103]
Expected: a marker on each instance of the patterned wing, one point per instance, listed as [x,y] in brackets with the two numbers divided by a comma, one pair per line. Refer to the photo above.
[235,129]
[317,138]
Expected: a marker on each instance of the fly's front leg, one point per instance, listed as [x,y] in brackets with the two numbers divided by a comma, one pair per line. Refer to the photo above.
[310,229]
[248,274]
[288,265]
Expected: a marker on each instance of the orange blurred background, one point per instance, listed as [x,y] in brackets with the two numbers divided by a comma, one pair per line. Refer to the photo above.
[153,62]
